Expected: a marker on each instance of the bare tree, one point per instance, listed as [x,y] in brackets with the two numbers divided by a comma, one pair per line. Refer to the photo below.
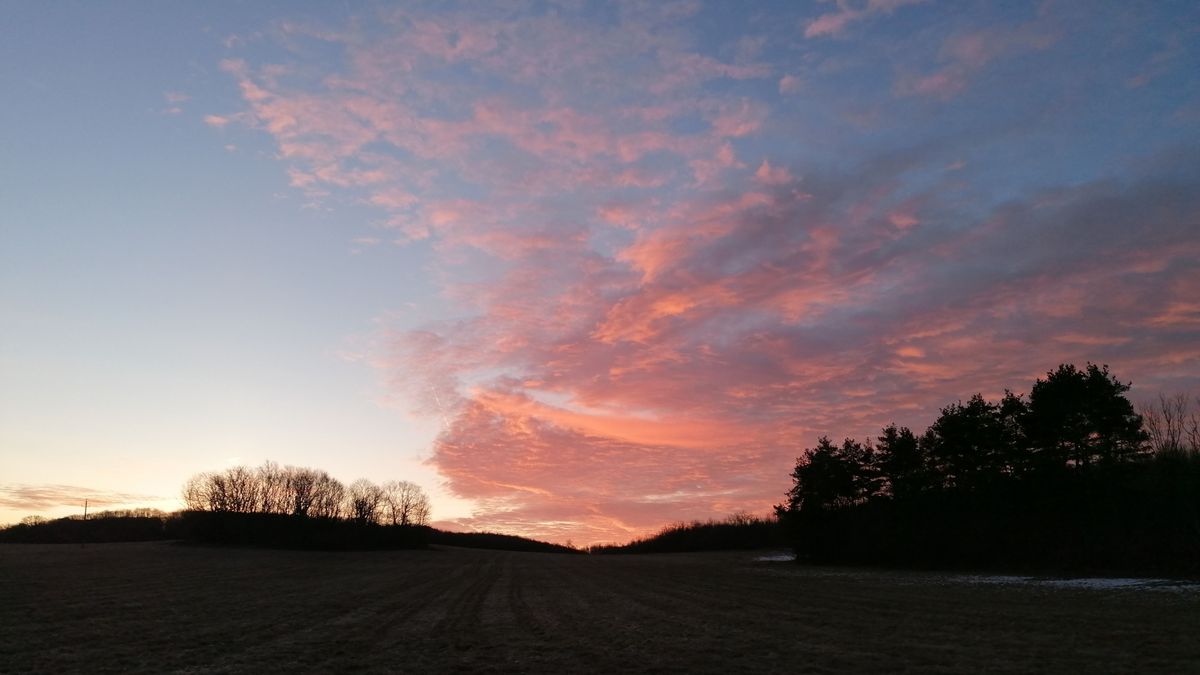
[235,489]
[405,503]
[328,496]
[196,493]
[243,491]
[1172,424]
[364,500]
[207,492]
[301,490]
[1192,426]
[273,488]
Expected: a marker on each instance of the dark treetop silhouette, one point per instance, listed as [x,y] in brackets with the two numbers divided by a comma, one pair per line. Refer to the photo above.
[1062,479]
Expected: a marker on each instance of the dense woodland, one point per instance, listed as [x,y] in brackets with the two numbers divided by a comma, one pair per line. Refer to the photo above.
[1068,477]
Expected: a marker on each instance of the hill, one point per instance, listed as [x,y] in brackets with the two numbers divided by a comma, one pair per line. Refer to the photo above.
[257,529]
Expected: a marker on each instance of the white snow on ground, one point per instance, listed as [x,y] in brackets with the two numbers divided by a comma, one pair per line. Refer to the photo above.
[1091,584]
[997,579]
[910,578]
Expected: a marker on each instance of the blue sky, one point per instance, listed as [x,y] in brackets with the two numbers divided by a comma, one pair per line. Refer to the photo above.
[169,303]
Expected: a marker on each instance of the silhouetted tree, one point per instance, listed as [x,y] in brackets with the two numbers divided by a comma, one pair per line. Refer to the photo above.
[865,480]
[364,500]
[968,444]
[298,507]
[195,493]
[291,490]
[1016,457]
[1172,424]
[1061,478]
[829,476]
[405,503]
[329,495]
[901,462]
[1081,417]
[303,488]
[243,493]
[273,488]
[209,492]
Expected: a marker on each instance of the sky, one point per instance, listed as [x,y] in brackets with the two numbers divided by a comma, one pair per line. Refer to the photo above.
[578,269]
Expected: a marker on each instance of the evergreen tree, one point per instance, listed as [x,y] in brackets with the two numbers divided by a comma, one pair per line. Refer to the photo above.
[901,463]
[1081,417]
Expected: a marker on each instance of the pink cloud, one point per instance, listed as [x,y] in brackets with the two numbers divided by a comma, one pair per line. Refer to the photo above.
[44,497]
[738,120]
[685,69]
[620,215]
[942,84]
[902,220]
[773,175]
[393,199]
[964,55]
[790,84]
[848,12]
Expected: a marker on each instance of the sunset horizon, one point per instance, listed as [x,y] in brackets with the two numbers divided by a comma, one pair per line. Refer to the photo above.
[578,270]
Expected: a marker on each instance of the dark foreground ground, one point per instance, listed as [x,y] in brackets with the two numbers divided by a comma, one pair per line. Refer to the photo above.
[161,607]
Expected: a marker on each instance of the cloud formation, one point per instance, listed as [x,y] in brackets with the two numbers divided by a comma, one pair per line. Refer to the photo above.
[34,498]
[669,284]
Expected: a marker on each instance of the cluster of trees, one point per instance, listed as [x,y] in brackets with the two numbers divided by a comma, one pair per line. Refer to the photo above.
[1065,477]
[738,531]
[304,492]
[299,507]
[1073,419]
[497,541]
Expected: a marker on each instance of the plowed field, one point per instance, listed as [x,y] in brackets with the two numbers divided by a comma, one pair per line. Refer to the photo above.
[171,608]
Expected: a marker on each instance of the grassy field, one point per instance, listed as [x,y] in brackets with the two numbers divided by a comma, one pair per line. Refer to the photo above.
[162,607]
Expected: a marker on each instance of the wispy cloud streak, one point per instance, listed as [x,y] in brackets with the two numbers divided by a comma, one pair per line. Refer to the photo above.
[34,498]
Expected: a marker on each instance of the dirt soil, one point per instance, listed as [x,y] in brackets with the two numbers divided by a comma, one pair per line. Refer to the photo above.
[163,607]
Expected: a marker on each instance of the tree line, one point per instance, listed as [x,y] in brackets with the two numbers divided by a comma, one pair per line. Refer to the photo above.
[104,526]
[300,507]
[1069,476]
[738,531]
[305,492]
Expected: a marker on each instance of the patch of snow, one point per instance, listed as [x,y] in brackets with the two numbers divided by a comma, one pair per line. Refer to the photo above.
[997,579]
[1087,583]
[1106,584]
[776,557]
[1097,584]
